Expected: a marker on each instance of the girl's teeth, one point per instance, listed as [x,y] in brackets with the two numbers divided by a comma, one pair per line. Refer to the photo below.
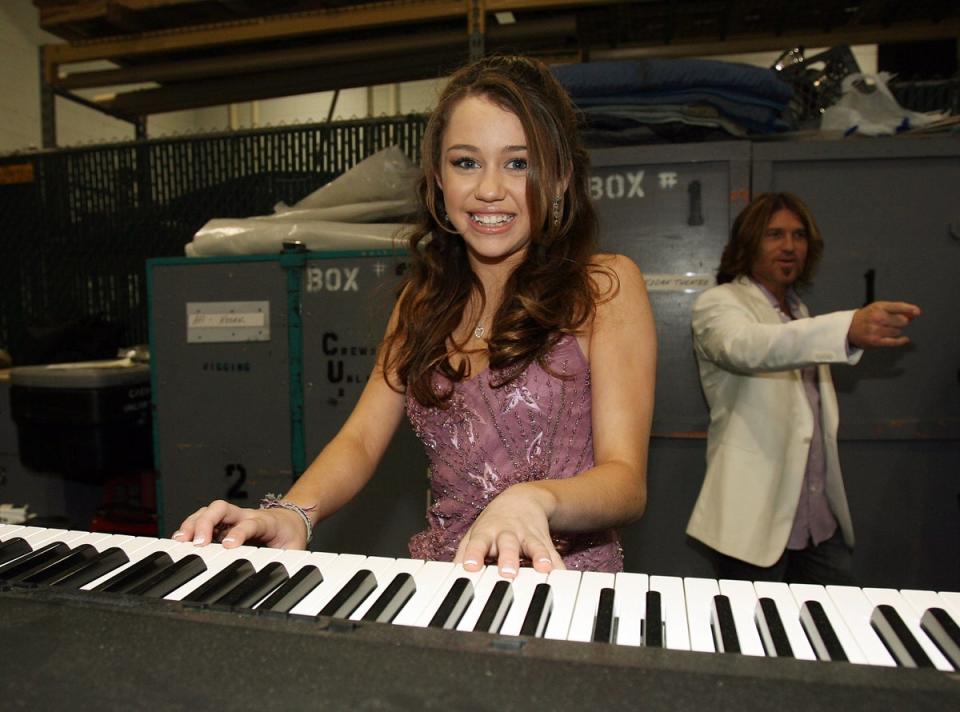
[492,219]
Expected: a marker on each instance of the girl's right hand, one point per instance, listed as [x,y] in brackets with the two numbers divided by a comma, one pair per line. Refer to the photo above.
[232,526]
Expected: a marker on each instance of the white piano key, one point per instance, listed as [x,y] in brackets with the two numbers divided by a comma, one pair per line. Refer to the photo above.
[429,578]
[809,592]
[113,540]
[256,555]
[523,586]
[74,537]
[892,597]
[428,611]
[26,532]
[952,601]
[588,598]
[337,570]
[920,601]
[674,610]
[70,537]
[17,546]
[92,538]
[630,606]
[923,600]
[8,531]
[291,560]
[135,548]
[132,544]
[384,569]
[39,536]
[482,589]
[294,561]
[789,611]
[565,585]
[699,593]
[216,558]
[856,611]
[743,603]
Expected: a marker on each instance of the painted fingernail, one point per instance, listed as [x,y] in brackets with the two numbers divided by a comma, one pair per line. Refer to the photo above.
[177,535]
[470,562]
[229,540]
[544,560]
[508,570]
[199,541]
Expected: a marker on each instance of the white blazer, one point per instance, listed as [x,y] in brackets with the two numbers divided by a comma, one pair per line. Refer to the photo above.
[760,419]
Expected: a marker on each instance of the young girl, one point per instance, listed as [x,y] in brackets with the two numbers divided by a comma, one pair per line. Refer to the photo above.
[524,360]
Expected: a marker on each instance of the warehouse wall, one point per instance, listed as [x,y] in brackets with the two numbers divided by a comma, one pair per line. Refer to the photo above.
[20,39]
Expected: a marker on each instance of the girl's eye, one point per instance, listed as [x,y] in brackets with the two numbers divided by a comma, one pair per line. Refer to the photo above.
[464,162]
[518,164]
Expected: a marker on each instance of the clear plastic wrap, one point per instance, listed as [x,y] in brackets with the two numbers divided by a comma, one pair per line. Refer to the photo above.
[363,209]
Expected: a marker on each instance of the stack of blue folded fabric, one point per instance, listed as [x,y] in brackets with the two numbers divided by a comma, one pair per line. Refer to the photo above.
[658,100]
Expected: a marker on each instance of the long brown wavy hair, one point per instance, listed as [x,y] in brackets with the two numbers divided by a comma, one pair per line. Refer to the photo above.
[749,228]
[552,292]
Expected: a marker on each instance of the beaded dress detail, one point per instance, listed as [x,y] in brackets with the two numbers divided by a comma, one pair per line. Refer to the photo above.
[536,427]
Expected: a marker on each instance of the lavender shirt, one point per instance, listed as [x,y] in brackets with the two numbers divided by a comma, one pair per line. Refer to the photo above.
[814,521]
[536,427]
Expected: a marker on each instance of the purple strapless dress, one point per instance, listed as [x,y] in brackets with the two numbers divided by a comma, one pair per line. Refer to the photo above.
[536,427]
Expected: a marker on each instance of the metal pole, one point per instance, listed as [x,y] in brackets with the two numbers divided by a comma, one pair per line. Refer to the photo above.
[48,108]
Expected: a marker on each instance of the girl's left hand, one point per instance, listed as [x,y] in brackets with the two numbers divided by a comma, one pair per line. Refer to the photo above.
[514,524]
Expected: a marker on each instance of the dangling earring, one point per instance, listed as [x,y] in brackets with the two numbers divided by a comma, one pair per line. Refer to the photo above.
[556,212]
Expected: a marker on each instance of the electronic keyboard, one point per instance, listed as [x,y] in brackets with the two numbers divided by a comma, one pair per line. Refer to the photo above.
[625,619]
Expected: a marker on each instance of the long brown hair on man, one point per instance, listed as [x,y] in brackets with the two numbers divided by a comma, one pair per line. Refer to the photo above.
[749,228]
[552,292]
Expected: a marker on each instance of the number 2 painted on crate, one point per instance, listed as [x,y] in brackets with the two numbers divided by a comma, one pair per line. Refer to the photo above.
[236,490]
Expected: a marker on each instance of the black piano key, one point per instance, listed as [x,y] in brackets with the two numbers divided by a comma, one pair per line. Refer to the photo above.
[293,591]
[171,578]
[821,634]
[138,572]
[74,561]
[653,621]
[101,565]
[232,575]
[21,568]
[13,549]
[356,590]
[393,599]
[944,632]
[724,629]
[453,605]
[538,613]
[604,626]
[897,637]
[772,633]
[257,587]
[496,608]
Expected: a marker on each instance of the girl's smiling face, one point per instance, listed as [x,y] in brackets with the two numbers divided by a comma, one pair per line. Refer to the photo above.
[483,176]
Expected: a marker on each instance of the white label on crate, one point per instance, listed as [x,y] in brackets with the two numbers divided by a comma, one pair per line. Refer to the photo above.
[217,322]
[688,282]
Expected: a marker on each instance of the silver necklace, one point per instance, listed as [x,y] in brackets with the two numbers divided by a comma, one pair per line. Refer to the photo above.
[479,331]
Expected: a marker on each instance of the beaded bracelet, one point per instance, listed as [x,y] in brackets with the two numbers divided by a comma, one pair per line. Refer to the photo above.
[274,501]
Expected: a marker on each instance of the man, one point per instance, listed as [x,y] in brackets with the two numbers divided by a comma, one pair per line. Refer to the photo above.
[772,505]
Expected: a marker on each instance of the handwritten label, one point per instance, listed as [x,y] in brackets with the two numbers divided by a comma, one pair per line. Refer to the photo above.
[227,320]
[217,322]
[688,282]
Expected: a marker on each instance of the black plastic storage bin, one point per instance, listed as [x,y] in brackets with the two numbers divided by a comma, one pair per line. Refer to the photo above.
[84,420]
